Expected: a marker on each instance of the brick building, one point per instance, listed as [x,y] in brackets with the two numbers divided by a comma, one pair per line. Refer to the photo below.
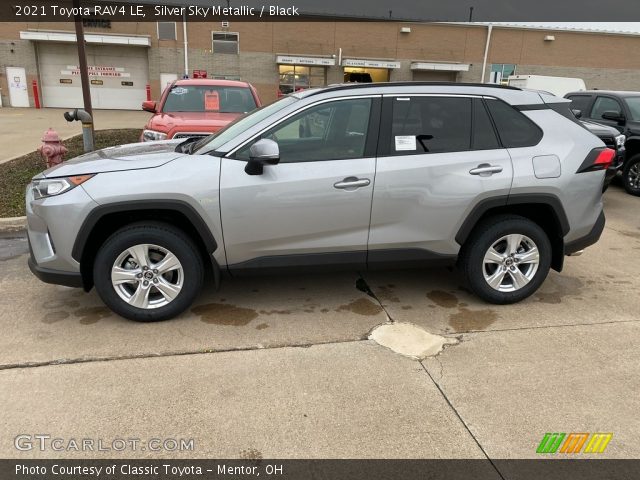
[279,57]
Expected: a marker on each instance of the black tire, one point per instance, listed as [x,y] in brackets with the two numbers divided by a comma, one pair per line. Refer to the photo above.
[483,237]
[632,186]
[162,235]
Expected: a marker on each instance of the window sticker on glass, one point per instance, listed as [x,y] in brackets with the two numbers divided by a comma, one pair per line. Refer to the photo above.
[178,91]
[212,101]
[405,142]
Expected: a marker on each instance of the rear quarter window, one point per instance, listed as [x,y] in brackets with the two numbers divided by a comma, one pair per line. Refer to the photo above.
[514,128]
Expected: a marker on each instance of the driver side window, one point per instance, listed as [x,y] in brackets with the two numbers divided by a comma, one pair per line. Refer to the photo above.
[605,104]
[329,131]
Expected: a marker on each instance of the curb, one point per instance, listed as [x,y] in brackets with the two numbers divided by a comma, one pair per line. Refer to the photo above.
[13,224]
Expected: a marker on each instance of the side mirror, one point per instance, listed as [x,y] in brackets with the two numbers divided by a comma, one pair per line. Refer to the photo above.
[577,113]
[263,152]
[149,106]
[613,116]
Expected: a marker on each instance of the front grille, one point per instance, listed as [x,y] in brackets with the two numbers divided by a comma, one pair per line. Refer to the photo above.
[190,135]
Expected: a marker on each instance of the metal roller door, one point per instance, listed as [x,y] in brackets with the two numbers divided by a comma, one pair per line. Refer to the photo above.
[118,76]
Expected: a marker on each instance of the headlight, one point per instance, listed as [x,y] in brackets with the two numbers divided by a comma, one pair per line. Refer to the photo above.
[620,139]
[49,187]
[151,135]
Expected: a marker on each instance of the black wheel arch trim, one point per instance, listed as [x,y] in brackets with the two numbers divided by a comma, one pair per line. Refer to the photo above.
[486,205]
[589,239]
[178,206]
[56,277]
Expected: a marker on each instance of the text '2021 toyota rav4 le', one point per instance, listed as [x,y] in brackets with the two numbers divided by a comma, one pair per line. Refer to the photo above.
[498,179]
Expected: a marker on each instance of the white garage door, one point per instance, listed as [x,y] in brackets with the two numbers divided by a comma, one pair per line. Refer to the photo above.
[118,76]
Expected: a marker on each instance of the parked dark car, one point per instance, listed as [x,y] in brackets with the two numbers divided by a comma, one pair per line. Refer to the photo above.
[612,138]
[619,110]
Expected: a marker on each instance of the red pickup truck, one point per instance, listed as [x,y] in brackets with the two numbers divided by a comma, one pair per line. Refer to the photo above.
[197,108]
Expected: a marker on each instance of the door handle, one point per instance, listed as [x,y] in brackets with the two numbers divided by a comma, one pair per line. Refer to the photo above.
[485,170]
[352,183]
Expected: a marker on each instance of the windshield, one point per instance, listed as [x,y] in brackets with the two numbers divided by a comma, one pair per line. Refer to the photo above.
[215,141]
[209,98]
[634,107]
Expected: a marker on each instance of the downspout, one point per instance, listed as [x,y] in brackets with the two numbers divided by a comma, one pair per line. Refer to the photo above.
[186,45]
[486,52]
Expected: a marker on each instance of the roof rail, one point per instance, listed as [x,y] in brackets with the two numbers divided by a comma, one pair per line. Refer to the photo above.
[348,86]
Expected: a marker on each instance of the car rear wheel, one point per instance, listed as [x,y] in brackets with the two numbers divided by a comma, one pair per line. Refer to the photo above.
[506,259]
[148,272]
[631,176]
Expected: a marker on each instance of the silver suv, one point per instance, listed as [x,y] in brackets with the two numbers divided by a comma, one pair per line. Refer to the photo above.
[502,181]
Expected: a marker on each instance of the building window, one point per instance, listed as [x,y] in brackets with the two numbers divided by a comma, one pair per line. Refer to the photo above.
[225,42]
[297,77]
[167,31]
[500,72]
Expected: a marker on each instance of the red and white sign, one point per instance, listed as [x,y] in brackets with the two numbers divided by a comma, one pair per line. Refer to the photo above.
[97,71]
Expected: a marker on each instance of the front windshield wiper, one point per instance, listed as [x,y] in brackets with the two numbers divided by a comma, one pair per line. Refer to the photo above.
[187,145]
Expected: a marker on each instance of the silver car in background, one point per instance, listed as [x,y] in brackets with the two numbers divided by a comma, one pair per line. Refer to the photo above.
[501,181]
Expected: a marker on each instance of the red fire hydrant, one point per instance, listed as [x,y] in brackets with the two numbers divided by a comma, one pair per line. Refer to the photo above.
[52,150]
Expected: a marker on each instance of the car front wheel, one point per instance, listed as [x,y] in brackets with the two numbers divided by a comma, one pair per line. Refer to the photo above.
[506,259]
[148,272]
[631,176]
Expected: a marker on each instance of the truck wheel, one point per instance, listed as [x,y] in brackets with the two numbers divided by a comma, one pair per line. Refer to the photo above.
[631,176]
[148,272]
[506,259]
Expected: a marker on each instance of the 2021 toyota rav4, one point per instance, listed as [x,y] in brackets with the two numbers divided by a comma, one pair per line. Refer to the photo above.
[501,180]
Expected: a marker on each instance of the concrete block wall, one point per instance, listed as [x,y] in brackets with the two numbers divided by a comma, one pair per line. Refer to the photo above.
[17,53]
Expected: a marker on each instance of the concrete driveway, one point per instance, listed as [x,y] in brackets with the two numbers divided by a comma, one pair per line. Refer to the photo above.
[283,368]
[28,124]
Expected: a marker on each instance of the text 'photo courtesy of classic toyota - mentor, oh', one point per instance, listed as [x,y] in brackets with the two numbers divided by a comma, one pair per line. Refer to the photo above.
[504,182]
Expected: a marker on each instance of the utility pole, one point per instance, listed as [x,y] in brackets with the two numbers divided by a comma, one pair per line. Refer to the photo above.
[82,60]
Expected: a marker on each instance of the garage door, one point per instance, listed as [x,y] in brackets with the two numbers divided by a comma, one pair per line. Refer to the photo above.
[433,76]
[118,76]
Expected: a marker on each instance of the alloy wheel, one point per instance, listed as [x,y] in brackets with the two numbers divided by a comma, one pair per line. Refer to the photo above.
[633,176]
[511,262]
[147,276]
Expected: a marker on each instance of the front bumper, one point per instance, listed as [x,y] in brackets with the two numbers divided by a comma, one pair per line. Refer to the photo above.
[52,226]
[589,239]
[57,277]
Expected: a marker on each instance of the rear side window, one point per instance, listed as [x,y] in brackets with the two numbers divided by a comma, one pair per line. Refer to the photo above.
[580,102]
[514,128]
[430,125]
[484,136]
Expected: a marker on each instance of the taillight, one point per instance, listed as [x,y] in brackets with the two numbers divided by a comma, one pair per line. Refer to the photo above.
[598,159]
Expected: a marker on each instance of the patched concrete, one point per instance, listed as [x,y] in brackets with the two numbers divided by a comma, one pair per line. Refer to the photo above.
[512,387]
[410,340]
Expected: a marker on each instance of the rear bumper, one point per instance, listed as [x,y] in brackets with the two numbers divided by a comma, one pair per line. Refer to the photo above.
[57,277]
[615,167]
[592,237]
